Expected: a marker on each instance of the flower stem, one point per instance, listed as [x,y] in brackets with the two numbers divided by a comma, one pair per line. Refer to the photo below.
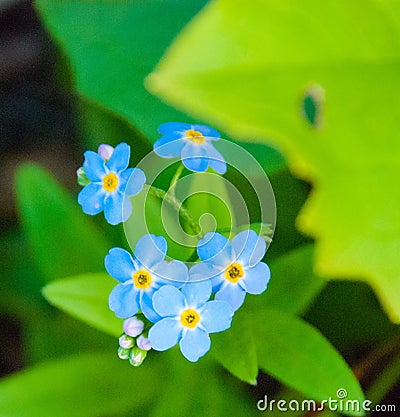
[178,206]
[175,178]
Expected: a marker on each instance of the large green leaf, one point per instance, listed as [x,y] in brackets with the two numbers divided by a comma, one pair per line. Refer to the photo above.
[200,389]
[63,239]
[88,385]
[86,297]
[293,284]
[235,349]
[316,369]
[101,125]
[343,306]
[113,47]
[259,62]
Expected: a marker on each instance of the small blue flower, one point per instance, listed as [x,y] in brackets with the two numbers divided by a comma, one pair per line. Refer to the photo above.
[234,268]
[110,181]
[140,276]
[193,143]
[188,318]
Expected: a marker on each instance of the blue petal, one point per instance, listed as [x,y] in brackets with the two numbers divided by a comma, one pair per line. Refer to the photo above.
[172,127]
[172,273]
[256,279]
[216,248]
[233,294]
[113,208]
[206,131]
[126,208]
[120,158]
[194,157]
[164,334]
[197,293]
[170,145]
[215,159]
[216,316]
[204,271]
[133,180]
[94,166]
[168,301]
[119,264]
[150,250]
[249,247]
[91,198]
[124,301]
[195,344]
[146,305]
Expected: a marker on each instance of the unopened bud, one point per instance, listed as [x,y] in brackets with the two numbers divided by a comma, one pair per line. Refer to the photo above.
[143,343]
[123,353]
[126,341]
[105,151]
[137,356]
[82,178]
[133,326]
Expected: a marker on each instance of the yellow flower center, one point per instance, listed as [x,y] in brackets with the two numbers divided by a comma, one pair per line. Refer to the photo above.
[190,318]
[234,272]
[142,279]
[110,182]
[194,136]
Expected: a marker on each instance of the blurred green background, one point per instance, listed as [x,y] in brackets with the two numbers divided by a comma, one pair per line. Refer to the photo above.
[310,90]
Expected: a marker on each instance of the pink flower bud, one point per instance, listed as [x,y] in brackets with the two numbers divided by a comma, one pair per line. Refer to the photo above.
[133,326]
[143,343]
[105,151]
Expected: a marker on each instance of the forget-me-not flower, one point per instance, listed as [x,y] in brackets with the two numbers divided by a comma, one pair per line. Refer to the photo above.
[188,317]
[193,143]
[140,276]
[233,267]
[110,180]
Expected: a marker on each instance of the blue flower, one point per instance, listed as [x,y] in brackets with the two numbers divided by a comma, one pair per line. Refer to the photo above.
[188,318]
[140,276]
[193,143]
[110,181]
[234,268]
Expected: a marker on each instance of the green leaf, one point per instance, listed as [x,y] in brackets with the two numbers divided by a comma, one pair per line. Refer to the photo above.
[215,394]
[343,306]
[316,369]
[63,239]
[46,335]
[259,62]
[100,125]
[235,349]
[88,385]
[113,47]
[293,284]
[19,277]
[86,298]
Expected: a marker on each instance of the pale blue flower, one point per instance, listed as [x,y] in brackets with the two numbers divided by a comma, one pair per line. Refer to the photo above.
[140,276]
[188,317]
[193,143]
[234,268]
[110,180]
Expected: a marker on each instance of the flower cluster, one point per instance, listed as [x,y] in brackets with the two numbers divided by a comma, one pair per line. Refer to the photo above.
[166,303]
[178,301]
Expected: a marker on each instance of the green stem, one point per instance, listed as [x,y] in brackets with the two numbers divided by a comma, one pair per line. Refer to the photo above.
[177,205]
[175,178]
